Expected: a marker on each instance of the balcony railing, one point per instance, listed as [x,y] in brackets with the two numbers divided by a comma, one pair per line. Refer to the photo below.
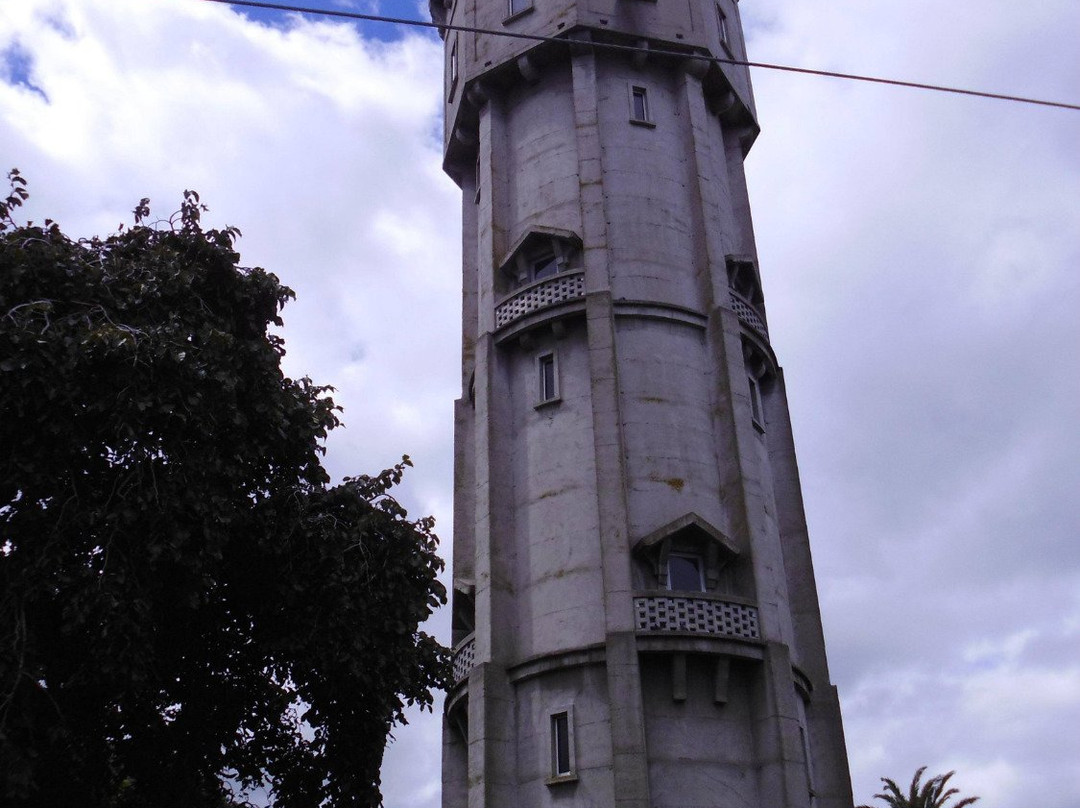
[748,315]
[697,615]
[464,658]
[564,286]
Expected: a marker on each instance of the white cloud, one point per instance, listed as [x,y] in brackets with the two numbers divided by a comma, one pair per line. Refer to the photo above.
[918,253]
[919,256]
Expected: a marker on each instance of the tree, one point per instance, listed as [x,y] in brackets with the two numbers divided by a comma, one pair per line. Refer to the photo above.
[931,794]
[188,609]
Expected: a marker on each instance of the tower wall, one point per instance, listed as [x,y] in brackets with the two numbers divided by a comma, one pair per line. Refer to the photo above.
[557,579]
[536,159]
[635,616]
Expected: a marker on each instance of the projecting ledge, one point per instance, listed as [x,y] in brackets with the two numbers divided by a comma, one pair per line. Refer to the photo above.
[464,658]
[653,310]
[550,299]
[649,643]
[560,660]
[696,615]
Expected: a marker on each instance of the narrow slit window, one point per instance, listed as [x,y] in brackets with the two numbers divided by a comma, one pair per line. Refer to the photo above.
[756,409]
[722,19]
[639,104]
[809,769]
[561,762]
[476,180]
[549,377]
[453,69]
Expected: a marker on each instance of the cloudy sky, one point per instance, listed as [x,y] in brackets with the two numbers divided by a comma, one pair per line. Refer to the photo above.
[921,260]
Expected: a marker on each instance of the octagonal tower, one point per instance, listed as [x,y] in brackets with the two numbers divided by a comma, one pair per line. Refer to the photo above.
[635,619]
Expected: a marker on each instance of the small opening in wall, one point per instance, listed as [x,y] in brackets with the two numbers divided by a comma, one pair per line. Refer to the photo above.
[562,746]
[549,377]
[722,19]
[453,70]
[544,265]
[685,573]
[639,104]
[516,8]
[757,411]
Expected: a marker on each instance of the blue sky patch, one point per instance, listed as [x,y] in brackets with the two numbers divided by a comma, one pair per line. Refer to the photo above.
[385,32]
[17,67]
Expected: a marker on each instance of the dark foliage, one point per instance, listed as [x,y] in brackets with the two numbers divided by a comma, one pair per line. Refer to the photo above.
[188,610]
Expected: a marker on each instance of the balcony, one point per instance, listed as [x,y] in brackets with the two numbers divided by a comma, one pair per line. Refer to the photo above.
[748,315]
[564,286]
[464,658]
[696,615]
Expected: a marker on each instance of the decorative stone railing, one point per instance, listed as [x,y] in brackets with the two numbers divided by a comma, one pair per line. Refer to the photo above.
[464,658]
[748,315]
[697,615]
[564,286]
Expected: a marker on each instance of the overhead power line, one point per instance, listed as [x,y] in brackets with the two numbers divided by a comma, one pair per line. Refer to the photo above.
[612,46]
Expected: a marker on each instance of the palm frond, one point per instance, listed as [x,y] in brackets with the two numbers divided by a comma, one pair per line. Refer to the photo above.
[916,798]
[929,794]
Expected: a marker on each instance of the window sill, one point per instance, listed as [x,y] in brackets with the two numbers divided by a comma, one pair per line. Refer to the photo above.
[547,402]
[759,426]
[647,124]
[560,779]
[517,15]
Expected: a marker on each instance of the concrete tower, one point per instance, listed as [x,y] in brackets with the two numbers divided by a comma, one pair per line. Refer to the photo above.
[635,620]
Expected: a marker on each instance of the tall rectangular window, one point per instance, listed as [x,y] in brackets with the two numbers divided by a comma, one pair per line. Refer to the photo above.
[549,377]
[476,179]
[809,769]
[756,410]
[453,69]
[639,104]
[562,764]
[722,19]
[515,7]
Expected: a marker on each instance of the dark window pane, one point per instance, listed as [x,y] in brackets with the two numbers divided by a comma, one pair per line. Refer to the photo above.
[560,743]
[684,573]
[544,267]
[547,378]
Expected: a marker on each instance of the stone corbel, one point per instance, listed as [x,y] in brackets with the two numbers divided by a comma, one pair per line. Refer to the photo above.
[698,68]
[465,137]
[580,42]
[724,103]
[528,69]
[477,94]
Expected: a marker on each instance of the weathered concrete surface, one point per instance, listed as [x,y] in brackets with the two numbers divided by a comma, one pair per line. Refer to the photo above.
[665,441]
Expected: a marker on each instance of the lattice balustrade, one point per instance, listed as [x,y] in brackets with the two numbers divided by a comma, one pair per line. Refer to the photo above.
[696,615]
[565,286]
[748,314]
[464,659]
